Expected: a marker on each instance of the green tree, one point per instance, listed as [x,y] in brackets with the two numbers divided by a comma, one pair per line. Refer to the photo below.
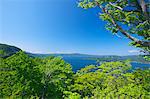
[57,75]
[128,17]
[2,53]
[19,76]
[110,80]
[22,76]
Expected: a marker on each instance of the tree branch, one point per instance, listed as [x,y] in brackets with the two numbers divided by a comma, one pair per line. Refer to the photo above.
[118,7]
[116,25]
[137,41]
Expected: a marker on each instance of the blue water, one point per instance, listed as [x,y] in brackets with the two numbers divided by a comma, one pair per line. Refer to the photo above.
[140,65]
[78,63]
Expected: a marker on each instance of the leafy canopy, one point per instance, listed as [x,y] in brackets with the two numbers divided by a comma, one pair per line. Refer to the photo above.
[111,80]
[27,77]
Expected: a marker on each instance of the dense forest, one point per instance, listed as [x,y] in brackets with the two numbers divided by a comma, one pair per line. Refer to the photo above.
[22,76]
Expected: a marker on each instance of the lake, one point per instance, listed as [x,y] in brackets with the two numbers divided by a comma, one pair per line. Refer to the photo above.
[80,62]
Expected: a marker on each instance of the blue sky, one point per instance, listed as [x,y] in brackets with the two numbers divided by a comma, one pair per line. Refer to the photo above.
[57,26]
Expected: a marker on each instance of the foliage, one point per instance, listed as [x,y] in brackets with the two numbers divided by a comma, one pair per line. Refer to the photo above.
[22,76]
[128,17]
[111,80]
[147,58]
[56,76]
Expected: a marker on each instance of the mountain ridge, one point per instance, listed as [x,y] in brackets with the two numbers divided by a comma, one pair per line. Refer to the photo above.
[8,50]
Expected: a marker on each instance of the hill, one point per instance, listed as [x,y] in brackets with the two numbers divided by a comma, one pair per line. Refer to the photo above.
[7,50]
[99,58]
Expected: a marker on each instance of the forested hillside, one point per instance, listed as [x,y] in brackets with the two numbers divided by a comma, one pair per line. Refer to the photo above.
[7,50]
[132,58]
[22,76]
[99,58]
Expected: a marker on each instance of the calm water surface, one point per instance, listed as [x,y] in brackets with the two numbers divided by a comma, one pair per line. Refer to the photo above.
[78,63]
